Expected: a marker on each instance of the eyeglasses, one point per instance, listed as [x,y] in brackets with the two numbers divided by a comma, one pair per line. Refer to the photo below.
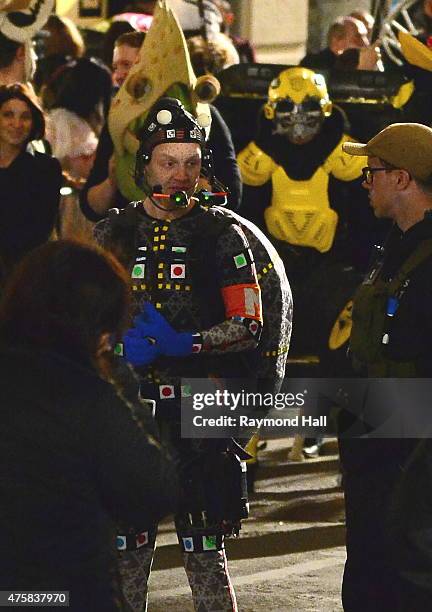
[367,173]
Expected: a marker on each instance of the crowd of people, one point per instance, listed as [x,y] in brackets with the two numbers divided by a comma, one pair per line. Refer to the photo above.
[141,247]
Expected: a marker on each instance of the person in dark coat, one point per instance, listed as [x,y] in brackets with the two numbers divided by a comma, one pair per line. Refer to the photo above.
[78,455]
[29,181]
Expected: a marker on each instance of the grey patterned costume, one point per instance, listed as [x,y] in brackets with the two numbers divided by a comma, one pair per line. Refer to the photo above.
[277,305]
[214,296]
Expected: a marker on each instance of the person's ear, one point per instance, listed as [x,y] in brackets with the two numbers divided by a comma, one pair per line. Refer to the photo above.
[20,54]
[403,179]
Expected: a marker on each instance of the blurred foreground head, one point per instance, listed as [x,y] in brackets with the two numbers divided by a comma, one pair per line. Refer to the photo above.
[66,297]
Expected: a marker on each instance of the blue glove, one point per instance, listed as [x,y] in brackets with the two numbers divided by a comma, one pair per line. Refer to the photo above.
[150,323]
[137,349]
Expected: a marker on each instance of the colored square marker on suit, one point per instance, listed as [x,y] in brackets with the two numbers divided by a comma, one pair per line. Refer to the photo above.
[119,349]
[138,271]
[121,542]
[178,270]
[142,539]
[188,544]
[186,391]
[166,391]
[209,543]
[240,261]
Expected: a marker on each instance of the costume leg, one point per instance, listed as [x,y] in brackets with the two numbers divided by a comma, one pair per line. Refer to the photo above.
[134,565]
[210,582]
[213,504]
[205,563]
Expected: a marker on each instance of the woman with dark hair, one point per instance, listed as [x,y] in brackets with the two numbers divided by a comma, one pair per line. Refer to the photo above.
[29,181]
[76,456]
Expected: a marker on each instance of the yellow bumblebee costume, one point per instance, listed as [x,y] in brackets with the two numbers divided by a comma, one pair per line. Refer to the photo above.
[298,145]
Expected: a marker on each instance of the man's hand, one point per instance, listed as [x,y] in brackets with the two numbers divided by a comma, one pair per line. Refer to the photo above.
[138,350]
[150,323]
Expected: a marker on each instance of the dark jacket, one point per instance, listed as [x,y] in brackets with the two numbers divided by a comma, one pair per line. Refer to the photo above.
[29,197]
[410,340]
[411,327]
[73,463]
[387,501]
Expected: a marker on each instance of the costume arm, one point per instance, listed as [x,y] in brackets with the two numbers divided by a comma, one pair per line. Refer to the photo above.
[241,295]
[256,167]
[343,166]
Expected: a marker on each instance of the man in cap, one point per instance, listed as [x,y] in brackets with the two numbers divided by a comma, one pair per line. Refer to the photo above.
[195,285]
[392,338]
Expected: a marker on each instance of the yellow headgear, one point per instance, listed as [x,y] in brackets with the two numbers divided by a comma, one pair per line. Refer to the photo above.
[297,84]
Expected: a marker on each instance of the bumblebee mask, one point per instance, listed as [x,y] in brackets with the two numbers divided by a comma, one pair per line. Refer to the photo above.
[297,104]
[300,123]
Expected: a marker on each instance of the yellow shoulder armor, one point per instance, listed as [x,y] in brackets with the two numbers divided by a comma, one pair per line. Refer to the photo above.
[343,166]
[256,167]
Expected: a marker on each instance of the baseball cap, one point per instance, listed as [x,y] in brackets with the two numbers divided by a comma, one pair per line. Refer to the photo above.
[403,145]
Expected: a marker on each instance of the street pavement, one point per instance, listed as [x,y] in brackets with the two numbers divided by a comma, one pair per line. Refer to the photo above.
[290,553]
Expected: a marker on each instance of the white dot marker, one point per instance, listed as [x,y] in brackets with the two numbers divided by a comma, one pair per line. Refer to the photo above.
[203,120]
[164,117]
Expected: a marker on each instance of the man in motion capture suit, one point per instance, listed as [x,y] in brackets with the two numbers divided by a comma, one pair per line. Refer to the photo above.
[198,303]
[195,285]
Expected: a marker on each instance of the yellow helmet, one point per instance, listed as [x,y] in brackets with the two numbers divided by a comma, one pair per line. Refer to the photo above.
[298,85]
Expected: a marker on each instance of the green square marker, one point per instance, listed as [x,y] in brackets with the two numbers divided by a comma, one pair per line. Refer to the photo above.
[186,391]
[240,261]
[138,271]
[119,349]
[209,543]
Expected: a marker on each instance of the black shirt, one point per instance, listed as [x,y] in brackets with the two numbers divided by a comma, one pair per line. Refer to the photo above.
[29,200]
